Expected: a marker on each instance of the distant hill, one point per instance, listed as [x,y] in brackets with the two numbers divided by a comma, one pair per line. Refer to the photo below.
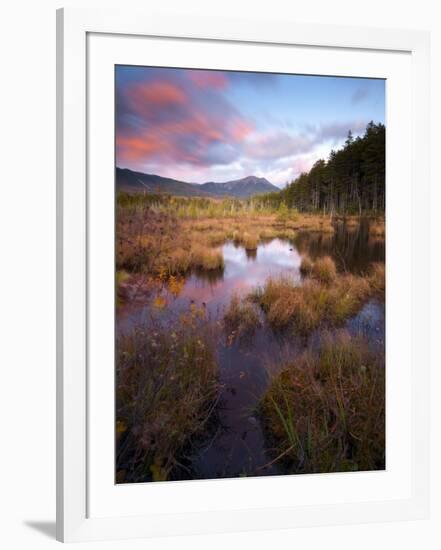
[243,188]
[137,182]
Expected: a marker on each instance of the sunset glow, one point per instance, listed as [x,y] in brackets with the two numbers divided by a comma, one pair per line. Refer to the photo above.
[203,125]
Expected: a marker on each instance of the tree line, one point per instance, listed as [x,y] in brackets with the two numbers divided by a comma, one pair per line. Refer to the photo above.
[351,181]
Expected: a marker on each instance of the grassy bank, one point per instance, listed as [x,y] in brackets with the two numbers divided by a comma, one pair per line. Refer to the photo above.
[167,390]
[325,412]
[326,298]
[169,236]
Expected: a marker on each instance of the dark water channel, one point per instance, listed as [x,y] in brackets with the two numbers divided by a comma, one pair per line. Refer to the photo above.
[237,447]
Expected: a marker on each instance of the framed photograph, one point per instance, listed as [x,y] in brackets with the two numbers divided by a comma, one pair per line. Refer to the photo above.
[242,275]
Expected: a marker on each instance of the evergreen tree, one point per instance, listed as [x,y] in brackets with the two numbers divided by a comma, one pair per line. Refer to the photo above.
[351,181]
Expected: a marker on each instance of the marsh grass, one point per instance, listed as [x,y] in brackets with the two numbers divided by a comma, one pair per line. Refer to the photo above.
[268,233]
[324,270]
[240,319]
[167,391]
[206,258]
[171,235]
[325,298]
[154,244]
[313,222]
[250,241]
[377,278]
[325,412]
[306,265]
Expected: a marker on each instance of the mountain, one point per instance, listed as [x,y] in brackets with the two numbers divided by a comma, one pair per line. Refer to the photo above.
[242,188]
[136,182]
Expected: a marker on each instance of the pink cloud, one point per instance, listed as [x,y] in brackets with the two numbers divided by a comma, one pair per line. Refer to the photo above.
[241,129]
[135,147]
[156,93]
[208,79]
[169,122]
[302,165]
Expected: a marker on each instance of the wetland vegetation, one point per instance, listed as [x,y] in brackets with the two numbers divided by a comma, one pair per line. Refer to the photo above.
[250,339]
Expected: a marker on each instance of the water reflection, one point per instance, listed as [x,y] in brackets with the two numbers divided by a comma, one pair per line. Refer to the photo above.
[352,248]
[241,274]
[212,276]
[244,270]
[251,254]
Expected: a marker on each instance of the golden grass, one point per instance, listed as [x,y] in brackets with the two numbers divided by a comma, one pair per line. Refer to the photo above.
[325,412]
[176,261]
[250,241]
[321,301]
[163,239]
[269,233]
[313,222]
[206,258]
[324,270]
[215,238]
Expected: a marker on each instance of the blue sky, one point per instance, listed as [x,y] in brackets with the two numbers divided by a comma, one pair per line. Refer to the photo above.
[199,125]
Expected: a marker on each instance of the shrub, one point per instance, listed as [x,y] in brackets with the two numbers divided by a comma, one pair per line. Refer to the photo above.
[283,212]
[294,214]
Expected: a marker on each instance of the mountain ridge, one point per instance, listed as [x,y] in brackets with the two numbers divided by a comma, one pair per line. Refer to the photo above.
[243,187]
[135,182]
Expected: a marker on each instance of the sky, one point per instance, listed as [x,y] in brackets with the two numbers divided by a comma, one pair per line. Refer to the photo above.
[200,125]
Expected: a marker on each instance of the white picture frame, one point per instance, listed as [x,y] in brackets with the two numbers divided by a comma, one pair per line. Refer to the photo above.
[76,519]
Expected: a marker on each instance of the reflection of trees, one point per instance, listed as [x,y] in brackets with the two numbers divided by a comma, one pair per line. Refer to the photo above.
[351,247]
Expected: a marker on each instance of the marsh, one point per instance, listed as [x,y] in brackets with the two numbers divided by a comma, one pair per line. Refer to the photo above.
[234,434]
